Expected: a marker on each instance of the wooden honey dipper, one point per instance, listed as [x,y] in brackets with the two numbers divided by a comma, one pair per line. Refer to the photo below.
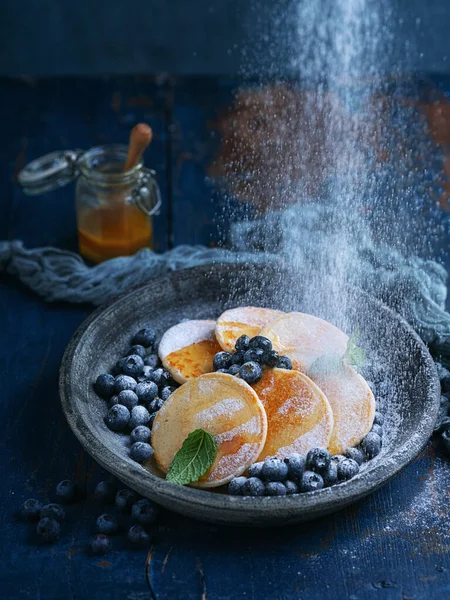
[140,137]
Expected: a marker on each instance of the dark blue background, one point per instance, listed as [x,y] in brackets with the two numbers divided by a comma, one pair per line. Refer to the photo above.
[201,36]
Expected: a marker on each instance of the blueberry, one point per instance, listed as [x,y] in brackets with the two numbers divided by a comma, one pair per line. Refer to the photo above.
[141,451]
[284,362]
[355,454]
[270,359]
[124,382]
[242,343]
[152,420]
[48,530]
[161,377]
[152,361]
[133,365]
[146,391]
[144,512]
[146,374]
[117,370]
[31,509]
[310,481]
[296,465]
[254,355]
[104,386]
[105,492]
[139,416]
[274,469]
[291,487]
[446,441]
[138,536]
[166,392]
[140,434]
[145,337]
[100,543]
[52,511]
[259,341]
[330,477]
[66,490]
[379,430]
[236,486]
[347,469]
[251,372]
[237,358]
[371,445]
[254,470]
[107,524]
[378,419]
[440,427]
[128,398]
[155,405]
[234,370]
[225,371]
[137,349]
[275,488]
[222,360]
[125,499]
[318,460]
[113,400]
[254,487]
[117,417]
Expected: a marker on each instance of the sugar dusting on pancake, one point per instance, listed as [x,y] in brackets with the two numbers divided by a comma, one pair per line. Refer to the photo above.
[353,406]
[187,349]
[247,320]
[226,407]
[304,338]
[299,416]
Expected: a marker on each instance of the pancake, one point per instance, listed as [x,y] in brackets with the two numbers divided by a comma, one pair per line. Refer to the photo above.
[246,320]
[187,349]
[299,416]
[353,406]
[224,406]
[304,338]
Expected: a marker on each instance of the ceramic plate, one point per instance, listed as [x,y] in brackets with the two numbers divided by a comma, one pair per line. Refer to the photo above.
[204,292]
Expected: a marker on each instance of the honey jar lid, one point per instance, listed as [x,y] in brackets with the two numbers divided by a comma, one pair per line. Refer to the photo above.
[49,172]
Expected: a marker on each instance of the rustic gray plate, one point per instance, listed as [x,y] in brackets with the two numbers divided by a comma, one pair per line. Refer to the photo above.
[203,292]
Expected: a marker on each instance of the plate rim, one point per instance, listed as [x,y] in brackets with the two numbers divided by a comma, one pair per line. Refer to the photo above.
[320,501]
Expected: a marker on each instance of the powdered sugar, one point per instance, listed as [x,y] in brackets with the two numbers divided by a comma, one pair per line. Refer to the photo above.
[235,463]
[184,334]
[227,406]
[251,427]
[312,438]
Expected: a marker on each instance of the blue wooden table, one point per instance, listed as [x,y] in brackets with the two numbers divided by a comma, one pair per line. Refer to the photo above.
[393,545]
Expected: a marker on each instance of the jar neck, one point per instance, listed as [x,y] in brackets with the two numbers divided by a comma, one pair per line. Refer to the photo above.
[103,166]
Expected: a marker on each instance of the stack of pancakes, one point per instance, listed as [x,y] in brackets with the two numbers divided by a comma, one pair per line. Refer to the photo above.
[287,411]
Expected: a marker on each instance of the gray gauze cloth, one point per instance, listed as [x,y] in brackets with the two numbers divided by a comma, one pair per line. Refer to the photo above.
[414,287]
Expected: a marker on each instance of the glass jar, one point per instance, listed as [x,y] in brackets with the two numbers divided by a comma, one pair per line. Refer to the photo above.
[114,208]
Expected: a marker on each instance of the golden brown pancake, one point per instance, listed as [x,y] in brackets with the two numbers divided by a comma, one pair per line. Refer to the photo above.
[353,407]
[304,338]
[299,416]
[224,406]
[246,320]
[187,349]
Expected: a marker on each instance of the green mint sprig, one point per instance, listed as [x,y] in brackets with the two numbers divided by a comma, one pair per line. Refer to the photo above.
[193,459]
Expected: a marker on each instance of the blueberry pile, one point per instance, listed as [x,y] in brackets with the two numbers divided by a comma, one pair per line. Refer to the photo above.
[134,391]
[298,474]
[251,355]
[130,514]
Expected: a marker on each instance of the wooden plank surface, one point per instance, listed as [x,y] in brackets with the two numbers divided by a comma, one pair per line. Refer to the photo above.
[393,545]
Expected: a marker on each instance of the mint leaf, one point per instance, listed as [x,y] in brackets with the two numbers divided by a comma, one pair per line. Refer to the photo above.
[354,355]
[193,459]
[327,364]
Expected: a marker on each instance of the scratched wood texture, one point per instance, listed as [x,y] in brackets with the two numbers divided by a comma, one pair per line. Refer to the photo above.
[393,545]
